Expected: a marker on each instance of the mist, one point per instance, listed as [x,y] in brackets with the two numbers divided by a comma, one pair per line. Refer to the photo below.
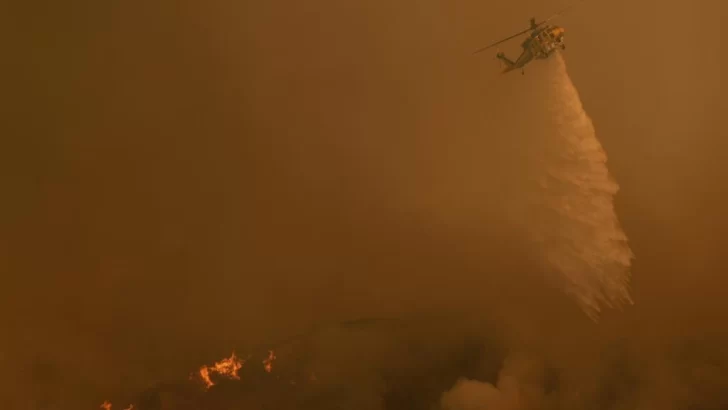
[183,181]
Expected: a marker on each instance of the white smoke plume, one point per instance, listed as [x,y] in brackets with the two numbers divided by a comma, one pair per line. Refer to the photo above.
[519,387]
[573,216]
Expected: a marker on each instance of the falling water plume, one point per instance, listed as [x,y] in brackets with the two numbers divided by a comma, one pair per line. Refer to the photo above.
[580,233]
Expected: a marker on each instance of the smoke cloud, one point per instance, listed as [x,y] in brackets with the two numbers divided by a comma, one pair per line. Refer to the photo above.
[520,386]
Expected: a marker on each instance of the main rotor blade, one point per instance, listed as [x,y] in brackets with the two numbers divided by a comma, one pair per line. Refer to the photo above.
[502,41]
[560,12]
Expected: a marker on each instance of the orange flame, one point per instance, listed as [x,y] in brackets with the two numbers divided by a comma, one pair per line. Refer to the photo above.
[106,405]
[226,367]
[268,362]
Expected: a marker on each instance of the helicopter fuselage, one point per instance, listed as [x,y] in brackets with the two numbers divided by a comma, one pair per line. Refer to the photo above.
[540,44]
[544,41]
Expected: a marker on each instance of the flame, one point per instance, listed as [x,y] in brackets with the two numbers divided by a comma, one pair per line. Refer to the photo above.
[268,362]
[226,367]
[106,405]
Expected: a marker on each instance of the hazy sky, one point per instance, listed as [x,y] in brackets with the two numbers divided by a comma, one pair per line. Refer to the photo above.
[182,179]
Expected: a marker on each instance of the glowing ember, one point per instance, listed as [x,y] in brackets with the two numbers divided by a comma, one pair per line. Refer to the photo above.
[268,362]
[226,367]
[107,406]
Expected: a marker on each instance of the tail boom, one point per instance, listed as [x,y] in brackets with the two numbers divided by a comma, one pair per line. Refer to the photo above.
[510,65]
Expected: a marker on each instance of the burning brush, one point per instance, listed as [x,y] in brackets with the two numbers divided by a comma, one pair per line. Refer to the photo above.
[227,367]
[107,406]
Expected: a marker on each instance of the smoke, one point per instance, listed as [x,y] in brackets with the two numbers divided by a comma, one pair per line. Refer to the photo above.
[572,214]
[519,386]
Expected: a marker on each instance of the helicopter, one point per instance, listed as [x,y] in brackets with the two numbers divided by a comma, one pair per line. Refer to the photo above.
[543,41]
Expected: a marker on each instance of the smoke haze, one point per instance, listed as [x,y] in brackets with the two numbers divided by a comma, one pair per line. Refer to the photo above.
[183,180]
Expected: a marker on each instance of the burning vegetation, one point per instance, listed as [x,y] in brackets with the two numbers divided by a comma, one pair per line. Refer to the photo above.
[268,362]
[227,367]
[107,406]
[206,377]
